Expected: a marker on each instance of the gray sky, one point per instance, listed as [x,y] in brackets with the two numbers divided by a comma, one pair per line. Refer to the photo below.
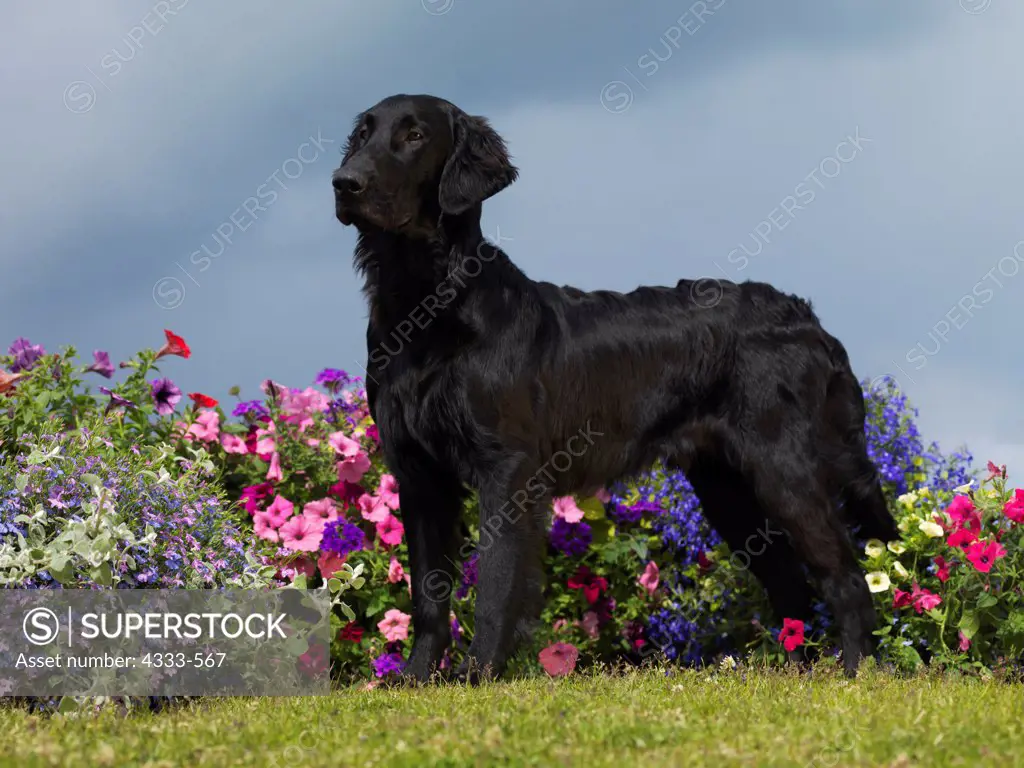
[128,140]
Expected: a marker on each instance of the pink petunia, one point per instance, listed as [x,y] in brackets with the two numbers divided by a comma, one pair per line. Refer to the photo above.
[395,571]
[792,634]
[373,508]
[279,511]
[649,578]
[964,515]
[983,555]
[353,468]
[344,445]
[559,659]
[387,491]
[329,563]
[924,600]
[965,641]
[395,625]
[233,444]
[265,440]
[302,534]
[590,624]
[941,569]
[274,473]
[307,401]
[206,427]
[603,496]
[323,510]
[1014,508]
[566,508]
[390,531]
[264,528]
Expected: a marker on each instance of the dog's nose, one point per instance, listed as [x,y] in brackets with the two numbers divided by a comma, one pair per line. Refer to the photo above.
[348,181]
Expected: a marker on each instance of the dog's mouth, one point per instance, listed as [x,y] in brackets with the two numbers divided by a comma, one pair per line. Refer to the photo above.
[350,213]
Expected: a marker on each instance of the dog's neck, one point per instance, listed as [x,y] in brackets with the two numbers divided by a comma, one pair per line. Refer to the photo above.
[452,263]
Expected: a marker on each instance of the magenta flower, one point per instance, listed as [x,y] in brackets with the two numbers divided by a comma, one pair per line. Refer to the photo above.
[390,531]
[388,491]
[559,659]
[165,396]
[101,364]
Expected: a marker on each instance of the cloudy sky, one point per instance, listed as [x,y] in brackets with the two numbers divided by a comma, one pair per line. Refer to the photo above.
[862,153]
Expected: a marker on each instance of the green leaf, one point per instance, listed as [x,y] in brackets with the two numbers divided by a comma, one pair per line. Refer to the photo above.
[987,600]
[91,480]
[592,508]
[377,604]
[348,612]
[300,582]
[102,575]
[60,568]
[334,585]
[969,624]
[21,483]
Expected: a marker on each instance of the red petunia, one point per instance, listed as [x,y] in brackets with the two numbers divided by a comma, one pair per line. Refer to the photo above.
[1014,508]
[984,555]
[792,634]
[901,599]
[201,400]
[962,539]
[964,515]
[591,584]
[351,631]
[941,568]
[703,562]
[995,471]
[175,346]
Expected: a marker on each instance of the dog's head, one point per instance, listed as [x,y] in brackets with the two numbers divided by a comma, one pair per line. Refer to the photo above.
[410,159]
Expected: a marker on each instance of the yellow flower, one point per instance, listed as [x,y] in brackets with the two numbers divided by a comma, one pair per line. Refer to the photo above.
[908,499]
[923,492]
[964,488]
[903,525]
[896,547]
[900,570]
[877,581]
[874,548]
[930,529]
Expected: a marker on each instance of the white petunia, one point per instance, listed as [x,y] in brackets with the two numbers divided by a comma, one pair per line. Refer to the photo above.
[930,529]
[877,581]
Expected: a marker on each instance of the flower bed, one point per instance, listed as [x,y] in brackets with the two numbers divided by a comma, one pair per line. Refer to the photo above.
[633,573]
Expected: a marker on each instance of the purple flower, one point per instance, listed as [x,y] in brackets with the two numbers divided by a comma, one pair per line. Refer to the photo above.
[116,400]
[469,575]
[571,539]
[165,396]
[332,379]
[25,354]
[101,364]
[342,537]
[254,408]
[388,663]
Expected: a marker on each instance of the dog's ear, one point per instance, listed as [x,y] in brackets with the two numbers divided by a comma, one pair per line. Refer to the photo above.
[478,167]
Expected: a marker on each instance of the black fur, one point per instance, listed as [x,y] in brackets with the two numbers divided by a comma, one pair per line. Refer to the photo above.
[480,377]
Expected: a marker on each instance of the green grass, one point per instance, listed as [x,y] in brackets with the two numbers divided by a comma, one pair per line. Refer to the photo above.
[648,719]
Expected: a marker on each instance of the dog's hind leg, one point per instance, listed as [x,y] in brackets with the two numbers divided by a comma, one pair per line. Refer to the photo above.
[790,486]
[756,540]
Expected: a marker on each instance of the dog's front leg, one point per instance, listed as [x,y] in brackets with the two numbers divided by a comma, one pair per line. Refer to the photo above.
[430,505]
[509,573]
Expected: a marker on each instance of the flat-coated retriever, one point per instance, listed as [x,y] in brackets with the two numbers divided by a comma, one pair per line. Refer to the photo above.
[480,377]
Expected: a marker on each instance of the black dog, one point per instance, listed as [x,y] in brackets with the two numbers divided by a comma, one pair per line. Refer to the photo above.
[481,377]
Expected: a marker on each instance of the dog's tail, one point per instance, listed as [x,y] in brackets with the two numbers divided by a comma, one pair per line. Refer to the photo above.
[855,478]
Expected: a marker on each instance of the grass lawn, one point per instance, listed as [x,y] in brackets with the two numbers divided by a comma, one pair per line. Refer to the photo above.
[644,719]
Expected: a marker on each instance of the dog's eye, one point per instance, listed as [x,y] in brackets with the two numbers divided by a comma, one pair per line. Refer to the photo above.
[414,135]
